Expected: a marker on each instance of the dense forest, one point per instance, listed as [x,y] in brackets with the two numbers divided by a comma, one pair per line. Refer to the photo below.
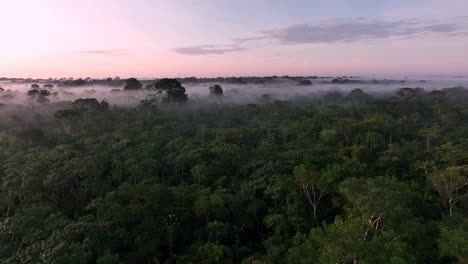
[340,178]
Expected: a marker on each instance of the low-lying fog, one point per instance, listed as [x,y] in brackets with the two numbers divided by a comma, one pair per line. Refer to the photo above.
[32,102]
[277,89]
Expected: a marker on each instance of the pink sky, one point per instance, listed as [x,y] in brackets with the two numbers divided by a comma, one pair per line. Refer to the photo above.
[143,38]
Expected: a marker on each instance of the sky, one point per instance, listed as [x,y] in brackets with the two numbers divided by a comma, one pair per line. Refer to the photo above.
[210,38]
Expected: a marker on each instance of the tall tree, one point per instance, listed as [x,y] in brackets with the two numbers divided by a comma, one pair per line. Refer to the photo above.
[132,84]
[216,90]
[452,186]
[171,89]
[67,118]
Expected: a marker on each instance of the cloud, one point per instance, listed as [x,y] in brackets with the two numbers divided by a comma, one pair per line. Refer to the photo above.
[358,29]
[209,49]
[340,30]
[113,53]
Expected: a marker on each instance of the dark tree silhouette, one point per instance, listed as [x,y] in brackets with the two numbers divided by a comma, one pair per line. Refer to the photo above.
[132,84]
[90,105]
[305,83]
[357,97]
[216,90]
[171,89]
[40,96]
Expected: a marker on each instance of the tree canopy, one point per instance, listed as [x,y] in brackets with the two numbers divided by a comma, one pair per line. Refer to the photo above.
[132,84]
[216,90]
[171,90]
[344,178]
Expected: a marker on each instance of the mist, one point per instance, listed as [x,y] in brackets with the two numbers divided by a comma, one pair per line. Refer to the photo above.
[18,106]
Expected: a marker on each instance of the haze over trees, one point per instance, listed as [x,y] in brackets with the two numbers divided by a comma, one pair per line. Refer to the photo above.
[341,176]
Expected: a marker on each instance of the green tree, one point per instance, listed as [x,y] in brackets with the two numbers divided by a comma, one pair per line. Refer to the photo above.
[314,185]
[453,239]
[452,186]
[67,118]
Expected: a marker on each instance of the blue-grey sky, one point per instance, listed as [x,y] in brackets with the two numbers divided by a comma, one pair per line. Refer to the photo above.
[153,38]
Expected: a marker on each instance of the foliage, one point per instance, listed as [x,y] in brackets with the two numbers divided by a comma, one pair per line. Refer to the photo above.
[171,89]
[346,178]
[132,84]
[216,90]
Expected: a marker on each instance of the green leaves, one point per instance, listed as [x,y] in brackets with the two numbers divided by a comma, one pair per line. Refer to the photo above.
[452,187]
[276,182]
[382,196]
[453,239]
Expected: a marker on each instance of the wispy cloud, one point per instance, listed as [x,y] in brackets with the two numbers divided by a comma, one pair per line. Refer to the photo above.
[356,30]
[209,49]
[340,30]
[113,53]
